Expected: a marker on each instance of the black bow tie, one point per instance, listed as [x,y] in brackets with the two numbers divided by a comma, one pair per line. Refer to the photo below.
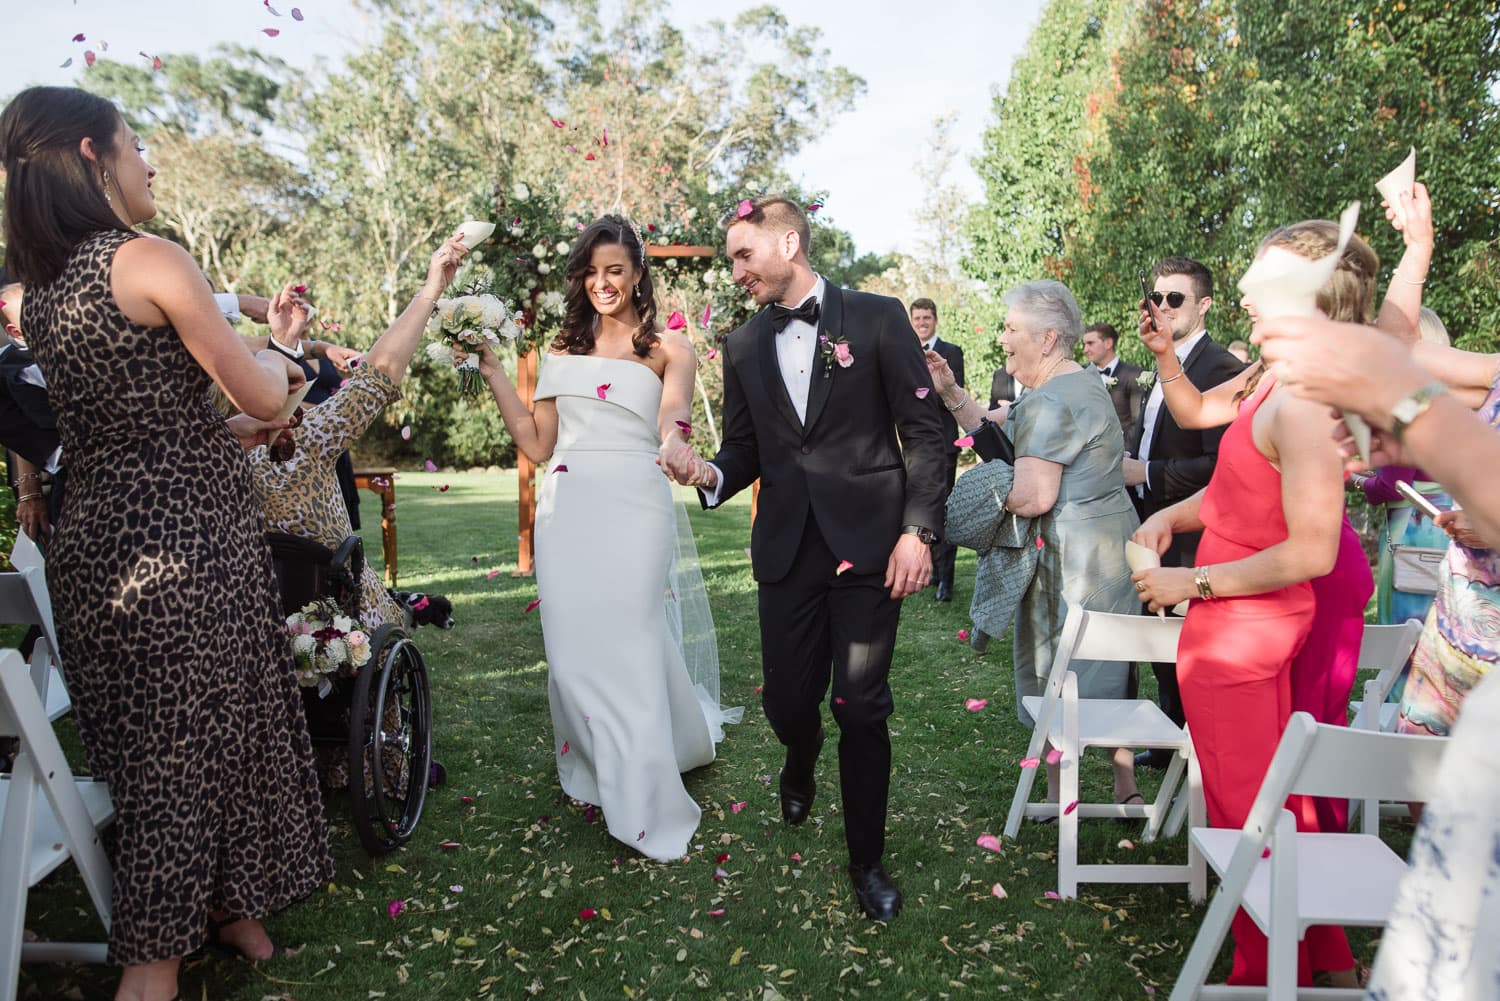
[781,315]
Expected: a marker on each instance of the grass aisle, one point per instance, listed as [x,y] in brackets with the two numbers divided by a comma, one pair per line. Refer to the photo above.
[506,914]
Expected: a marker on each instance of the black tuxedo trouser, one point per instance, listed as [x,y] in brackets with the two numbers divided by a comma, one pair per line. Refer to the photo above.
[815,628]
[944,553]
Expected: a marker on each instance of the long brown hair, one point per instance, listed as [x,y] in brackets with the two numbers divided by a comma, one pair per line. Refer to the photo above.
[577,336]
[1348,296]
[54,197]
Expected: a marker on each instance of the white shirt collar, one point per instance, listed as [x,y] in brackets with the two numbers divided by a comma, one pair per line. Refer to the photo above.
[1183,347]
[928,344]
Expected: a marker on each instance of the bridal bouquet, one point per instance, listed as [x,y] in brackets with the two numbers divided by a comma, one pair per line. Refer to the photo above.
[466,322]
[326,642]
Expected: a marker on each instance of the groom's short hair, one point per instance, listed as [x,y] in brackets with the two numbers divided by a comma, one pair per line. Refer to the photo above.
[775,212]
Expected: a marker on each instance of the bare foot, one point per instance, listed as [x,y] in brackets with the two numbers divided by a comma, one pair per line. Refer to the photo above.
[248,937]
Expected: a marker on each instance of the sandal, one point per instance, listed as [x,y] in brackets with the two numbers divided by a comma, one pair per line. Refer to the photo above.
[1127,821]
[216,941]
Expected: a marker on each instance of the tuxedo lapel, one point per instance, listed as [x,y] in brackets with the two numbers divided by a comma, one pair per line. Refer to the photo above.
[830,326]
[770,369]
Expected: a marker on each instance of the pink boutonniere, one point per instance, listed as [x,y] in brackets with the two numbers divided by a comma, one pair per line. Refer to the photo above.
[835,351]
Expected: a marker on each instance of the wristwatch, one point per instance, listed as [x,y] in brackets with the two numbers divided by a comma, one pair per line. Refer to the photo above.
[926,535]
[1414,405]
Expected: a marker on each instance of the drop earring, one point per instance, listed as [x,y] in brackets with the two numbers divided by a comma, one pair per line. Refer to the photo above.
[106,187]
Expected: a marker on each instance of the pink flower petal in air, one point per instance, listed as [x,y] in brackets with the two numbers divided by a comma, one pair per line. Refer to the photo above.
[270,32]
[1070,808]
[430,466]
[406,432]
[975,705]
[838,700]
[565,748]
[532,606]
[713,353]
[395,907]
[997,891]
[708,312]
[492,574]
[813,207]
[557,123]
[1054,756]
[736,807]
[299,289]
[921,392]
[589,156]
[967,441]
[587,914]
[88,57]
[988,842]
[78,37]
[641,836]
[561,467]
[745,209]
[963,634]
[685,428]
[1265,852]
[1030,762]
[843,565]
[296,14]
[676,321]
[1039,543]
[602,389]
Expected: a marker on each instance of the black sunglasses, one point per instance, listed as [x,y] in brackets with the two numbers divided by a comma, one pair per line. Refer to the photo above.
[1174,299]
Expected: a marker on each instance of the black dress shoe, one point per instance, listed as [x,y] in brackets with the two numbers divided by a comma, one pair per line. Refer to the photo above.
[1158,758]
[944,591]
[876,891]
[797,785]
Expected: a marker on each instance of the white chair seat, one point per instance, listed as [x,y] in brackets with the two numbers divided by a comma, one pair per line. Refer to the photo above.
[1388,713]
[1114,723]
[1342,879]
[47,845]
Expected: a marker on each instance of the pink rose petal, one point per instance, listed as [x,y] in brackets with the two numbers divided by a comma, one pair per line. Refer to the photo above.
[587,914]
[1051,895]
[843,565]
[429,465]
[721,858]
[1070,808]
[443,489]
[967,441]
[795,856]
[838,700]
[814,206]
[745,209]
[988,842]
[532,606]
[296,14]
[590,156]
[997,891]
[1054,756]
[406,432]
[1030,762]
[270,32]
[963,634]
[299,289]
[602,389]
[466,799]
[708,312]
[685,428]
[78,37]
[712,353]
[88,57]
[974,705]
[1039,543]
[450,845]
[921,392]
[492,574]
[641,836]
[395,907]
[558,123]
[1126,844]
[561,467]
[676,321]
[564,748]
[719,913]
[736,807]
[1266,852]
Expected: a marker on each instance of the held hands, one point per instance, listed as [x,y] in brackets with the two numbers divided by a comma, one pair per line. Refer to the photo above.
[1164,587]
[910,567]
[678,460]
[1135,471]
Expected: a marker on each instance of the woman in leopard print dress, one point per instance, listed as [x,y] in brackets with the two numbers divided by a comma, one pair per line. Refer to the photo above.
[169,632]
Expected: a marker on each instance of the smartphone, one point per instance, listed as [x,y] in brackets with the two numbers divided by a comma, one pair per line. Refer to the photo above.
[1418,501]
[1146,301]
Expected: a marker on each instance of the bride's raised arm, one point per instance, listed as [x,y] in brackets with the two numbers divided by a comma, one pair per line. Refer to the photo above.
[534,430]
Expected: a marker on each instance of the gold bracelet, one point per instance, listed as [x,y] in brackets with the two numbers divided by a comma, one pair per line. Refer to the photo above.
[1200,578]
[29,497]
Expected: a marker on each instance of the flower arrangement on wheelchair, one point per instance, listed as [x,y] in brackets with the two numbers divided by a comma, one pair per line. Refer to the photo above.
[326,643]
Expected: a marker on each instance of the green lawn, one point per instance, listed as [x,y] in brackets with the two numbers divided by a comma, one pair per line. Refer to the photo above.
[499,916]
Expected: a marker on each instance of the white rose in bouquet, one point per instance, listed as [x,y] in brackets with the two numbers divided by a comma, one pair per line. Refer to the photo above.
[303,644]
[544,268]
[562,246]
[440,353]
[539,251]
[520,191]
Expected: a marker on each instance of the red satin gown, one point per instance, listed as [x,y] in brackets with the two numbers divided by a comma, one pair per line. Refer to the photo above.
[1234,668]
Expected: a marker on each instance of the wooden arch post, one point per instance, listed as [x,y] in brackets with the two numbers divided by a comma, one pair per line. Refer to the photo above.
[526,371]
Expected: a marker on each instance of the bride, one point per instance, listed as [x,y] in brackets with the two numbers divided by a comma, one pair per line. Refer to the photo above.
[614,395]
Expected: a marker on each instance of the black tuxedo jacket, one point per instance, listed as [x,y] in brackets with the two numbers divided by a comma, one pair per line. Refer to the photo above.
[1182,461]
[845,466]
[1003,387]
[954,356]
[1126,394]
[27,425]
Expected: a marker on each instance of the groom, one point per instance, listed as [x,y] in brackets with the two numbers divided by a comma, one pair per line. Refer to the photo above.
[817,389]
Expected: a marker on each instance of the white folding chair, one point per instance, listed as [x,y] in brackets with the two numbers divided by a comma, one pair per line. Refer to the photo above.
[39,833]
[1307,879]
[1072,725]
[1384,650]
[24,601]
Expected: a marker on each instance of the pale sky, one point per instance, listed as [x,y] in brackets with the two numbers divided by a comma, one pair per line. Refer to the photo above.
[919,60]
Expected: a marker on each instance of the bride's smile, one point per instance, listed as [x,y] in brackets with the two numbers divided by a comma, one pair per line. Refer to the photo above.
[610,278]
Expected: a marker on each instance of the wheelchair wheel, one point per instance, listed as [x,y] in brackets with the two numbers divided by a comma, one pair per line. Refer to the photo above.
[390,742]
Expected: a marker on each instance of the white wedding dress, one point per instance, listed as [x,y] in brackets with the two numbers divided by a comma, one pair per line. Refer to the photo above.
[627,717]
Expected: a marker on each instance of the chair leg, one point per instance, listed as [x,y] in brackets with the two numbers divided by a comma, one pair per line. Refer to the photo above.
[15,835]
[1024,783]
[1163,805]
[1068,767]
[1205,947]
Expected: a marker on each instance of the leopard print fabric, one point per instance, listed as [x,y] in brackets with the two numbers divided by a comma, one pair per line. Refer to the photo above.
[301,496]
[170,632]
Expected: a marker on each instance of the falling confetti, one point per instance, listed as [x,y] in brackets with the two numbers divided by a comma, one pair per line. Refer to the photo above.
[967,441]
[533,605]
[406,432]
[587,914]
[676,321]
[590,156]
[565,748]
[270,32]
[717,913]
[843,565]
[299,289]
[492,574]
[429,465]
[745,209]
[712,353]
[708,312]
[78,37]
[736,807]
[296,14]
[561,467]
[813,207]
[921,392]
[685,428]
[1070,808]
[1030,762]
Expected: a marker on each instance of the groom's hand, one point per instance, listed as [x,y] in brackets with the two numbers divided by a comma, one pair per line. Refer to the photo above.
[909,568]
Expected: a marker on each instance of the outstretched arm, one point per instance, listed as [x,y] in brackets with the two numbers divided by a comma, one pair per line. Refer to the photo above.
[1190,407]
[534,430]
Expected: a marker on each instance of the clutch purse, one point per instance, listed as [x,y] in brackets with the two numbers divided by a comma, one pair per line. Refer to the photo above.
[991,443]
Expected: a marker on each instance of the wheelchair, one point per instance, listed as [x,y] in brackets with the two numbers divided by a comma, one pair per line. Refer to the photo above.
[382,715]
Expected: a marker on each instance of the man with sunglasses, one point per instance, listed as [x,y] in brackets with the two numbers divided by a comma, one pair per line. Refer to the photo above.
[1165,463]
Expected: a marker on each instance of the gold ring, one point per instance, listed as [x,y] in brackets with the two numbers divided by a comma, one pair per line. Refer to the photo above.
[1140,585]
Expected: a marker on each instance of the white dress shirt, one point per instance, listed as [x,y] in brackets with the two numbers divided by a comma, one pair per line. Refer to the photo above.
[1108,370]
[1154,404]
[796,356]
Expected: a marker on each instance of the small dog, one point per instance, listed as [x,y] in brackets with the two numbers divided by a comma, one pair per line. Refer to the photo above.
[425,609]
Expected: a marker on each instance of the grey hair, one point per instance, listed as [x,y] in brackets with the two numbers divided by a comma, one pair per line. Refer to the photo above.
[1432,328]
[1050,306]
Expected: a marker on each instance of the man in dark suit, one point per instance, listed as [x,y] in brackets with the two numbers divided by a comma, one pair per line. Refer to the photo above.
[1165,463]
[28,428]
[1002,388]
[1121,378]
[821,403]
[924,322]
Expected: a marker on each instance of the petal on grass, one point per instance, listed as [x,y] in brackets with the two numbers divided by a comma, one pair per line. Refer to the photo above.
[997,891]
[532,606]
[395,907]
[975,705]
[736,807]
[988,842]
[1070,808]
[963,634]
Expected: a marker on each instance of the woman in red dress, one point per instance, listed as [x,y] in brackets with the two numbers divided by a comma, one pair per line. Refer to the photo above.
[1274,555]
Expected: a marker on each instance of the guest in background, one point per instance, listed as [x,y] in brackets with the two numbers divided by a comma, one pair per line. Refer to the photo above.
[924,320]
[28,428]
[1003,388]
[1121,378]
[1240,350]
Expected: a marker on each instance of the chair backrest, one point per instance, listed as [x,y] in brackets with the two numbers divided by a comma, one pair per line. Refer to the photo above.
[1112,637]
[1316,759]
[1388,647]
[306,569]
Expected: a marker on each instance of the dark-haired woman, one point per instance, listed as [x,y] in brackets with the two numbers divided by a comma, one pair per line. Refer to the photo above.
[613,397]
[170,636]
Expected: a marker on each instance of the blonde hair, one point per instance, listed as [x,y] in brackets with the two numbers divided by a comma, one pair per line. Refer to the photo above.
[1432,329]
